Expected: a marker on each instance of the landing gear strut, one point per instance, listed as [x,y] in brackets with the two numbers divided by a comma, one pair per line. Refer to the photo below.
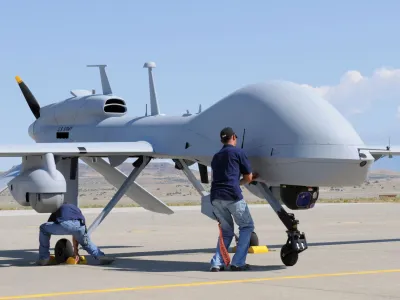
[296,241]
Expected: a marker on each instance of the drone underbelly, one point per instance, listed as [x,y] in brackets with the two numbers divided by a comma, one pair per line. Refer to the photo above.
[317,173]
[315,166]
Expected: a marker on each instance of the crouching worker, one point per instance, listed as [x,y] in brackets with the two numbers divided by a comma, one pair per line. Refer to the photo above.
[68,220]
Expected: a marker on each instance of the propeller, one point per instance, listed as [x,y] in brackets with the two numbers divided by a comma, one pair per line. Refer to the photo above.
[30,99]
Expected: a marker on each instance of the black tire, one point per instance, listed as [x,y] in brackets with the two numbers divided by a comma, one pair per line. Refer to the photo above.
[254,240]
[289,257]
[63,250]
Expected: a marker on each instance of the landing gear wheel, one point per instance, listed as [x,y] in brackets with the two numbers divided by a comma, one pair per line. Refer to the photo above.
[288,256]
[63,250]
[254,240]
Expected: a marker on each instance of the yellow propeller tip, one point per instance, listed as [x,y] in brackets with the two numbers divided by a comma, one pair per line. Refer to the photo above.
[18,79]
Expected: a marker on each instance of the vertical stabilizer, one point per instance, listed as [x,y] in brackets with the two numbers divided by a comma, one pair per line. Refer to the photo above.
[153,97]
[105,84]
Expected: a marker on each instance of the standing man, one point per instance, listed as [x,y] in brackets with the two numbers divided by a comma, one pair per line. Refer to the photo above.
[227,199]
[68,220]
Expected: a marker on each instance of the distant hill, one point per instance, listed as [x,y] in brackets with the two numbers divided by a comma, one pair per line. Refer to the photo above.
[165,169]
[383,174]
[87,171]
[154,168]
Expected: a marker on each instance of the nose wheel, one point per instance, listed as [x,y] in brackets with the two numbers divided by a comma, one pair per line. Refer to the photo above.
[288,256]
[295,244]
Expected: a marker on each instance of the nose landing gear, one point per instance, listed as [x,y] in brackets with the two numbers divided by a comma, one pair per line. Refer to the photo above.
[296,241]
[295,244]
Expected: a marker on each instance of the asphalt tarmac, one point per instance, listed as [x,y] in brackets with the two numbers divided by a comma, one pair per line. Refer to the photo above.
[353,254]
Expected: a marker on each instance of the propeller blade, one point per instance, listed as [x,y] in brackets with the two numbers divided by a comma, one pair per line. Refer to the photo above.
[30,99]
[203,173]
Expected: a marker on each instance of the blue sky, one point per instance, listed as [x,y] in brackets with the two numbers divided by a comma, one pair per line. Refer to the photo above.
[203,50]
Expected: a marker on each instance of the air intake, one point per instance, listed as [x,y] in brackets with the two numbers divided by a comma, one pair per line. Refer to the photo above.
[115,106]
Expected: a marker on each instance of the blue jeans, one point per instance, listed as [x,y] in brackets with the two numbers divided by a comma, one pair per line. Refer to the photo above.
[73,228]
[224,211]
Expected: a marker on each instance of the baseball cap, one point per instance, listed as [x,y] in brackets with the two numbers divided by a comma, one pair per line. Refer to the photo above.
[227,133]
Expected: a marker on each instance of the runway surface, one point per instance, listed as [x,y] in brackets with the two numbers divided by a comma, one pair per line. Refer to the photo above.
[353,254]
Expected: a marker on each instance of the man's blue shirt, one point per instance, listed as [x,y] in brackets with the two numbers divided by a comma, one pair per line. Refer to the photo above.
[227,166]
[67,212]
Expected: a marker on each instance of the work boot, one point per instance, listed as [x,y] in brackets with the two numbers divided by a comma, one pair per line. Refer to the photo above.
[241,268]
[217,268]
[105,260]
[46,262]
[43,262]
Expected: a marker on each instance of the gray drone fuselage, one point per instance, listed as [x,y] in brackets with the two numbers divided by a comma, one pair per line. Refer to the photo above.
[291,135]
[295,140]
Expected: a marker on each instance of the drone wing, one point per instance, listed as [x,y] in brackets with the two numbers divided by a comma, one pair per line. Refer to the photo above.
[114,176]
[379,152]
[384,152]
[78,149]
[69,149]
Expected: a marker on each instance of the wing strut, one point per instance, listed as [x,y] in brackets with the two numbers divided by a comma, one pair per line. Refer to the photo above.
[139,165]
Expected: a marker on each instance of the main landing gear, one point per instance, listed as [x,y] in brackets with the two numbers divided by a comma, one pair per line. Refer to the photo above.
[296,241]
[63,250]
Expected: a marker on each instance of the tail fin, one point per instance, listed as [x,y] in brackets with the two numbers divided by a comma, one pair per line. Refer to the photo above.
[104,79]
[154,110]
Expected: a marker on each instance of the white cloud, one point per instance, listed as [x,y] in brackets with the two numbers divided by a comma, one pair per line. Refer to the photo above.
[356,93]
[371,103]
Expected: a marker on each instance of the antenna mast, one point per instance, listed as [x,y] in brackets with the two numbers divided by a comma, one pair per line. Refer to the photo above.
[153,97]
